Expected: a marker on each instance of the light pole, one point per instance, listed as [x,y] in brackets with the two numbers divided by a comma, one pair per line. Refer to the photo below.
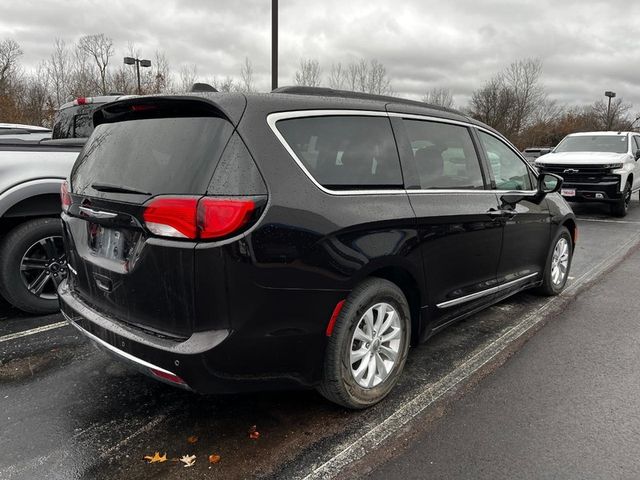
[274,44]
[138,63]
[610,95]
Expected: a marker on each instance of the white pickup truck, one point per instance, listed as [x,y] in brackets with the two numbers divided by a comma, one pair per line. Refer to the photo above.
[597,167]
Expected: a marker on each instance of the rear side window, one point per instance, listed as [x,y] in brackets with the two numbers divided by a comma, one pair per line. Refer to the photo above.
[156,156]
[445,156]
[74,122]
[345,152]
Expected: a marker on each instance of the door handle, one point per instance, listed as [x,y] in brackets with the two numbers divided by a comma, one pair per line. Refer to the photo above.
[496,214]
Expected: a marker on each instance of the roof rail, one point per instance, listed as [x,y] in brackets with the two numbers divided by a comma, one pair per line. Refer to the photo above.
[330,92]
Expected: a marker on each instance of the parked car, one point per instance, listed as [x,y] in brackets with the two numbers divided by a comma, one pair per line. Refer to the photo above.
[597,167]
[74,119]
[531,153]
[17,131]
[302,238]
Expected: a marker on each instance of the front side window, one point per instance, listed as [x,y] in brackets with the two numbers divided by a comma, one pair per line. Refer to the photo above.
[445,155]
[344,152]
[637,140]
[509,170]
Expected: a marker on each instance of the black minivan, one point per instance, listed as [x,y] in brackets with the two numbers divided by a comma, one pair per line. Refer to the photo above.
[301,238]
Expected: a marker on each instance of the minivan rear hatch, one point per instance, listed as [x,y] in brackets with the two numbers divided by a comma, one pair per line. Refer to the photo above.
[147,165]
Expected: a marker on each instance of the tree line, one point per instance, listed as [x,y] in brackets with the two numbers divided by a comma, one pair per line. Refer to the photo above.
[512,101]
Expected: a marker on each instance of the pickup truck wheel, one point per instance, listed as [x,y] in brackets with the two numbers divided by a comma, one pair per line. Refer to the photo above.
[368,347]
[620,208]
[32,265]
[556,272]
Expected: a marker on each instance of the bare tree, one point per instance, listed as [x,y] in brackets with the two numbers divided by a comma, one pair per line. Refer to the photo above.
[309,73]
[439,96]
[188,76]
[162,73]
[368,77]
[510,99]
[100,48]
[9,53]
[523,79]
[227,84]
[337,76]
[246,77]
[59,70]
[615,118]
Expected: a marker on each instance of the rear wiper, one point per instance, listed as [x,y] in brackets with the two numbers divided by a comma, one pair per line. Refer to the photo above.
[105,187]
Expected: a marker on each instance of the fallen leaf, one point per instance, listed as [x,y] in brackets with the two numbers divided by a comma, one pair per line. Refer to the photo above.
[213,458]
[157,458]
[192,439]
[188,460]
[254,434]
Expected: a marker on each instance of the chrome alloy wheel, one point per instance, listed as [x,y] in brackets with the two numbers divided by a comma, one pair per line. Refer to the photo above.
[375,345]
[43,267]
[560,261]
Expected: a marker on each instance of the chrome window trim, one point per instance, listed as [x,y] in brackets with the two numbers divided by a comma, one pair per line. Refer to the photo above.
[483,293]
[273,118]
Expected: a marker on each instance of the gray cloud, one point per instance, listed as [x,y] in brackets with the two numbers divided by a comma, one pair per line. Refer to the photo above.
[586,46]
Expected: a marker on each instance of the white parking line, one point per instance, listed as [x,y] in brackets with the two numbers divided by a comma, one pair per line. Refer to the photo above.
[33,331]
[347,453]
[603,220]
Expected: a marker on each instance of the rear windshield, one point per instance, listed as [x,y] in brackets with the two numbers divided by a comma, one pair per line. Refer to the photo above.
[156,156]
[74,122]
[345,152]
[593,143]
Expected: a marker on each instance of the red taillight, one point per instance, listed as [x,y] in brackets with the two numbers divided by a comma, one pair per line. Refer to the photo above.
[193,218]
[65,198]
[219,217]
[82,100]
[172,217]
[170,377]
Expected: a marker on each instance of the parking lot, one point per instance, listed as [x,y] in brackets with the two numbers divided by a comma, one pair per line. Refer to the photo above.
[69,411]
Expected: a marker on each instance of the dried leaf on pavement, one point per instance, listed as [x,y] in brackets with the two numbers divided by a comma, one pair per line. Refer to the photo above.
[188,460]
[254,434]
[192,439]
[214,458]
[157,458]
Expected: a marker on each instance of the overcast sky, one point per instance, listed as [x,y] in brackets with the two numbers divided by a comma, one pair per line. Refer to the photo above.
[587,46]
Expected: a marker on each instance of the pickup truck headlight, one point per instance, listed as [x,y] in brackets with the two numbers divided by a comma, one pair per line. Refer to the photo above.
[613,166]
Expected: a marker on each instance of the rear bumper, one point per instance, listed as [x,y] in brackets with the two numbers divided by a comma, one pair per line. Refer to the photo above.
[605,191]
[205,362]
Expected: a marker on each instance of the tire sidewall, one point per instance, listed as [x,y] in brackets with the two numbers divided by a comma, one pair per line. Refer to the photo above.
[353,310]
[13,247]
[556,289]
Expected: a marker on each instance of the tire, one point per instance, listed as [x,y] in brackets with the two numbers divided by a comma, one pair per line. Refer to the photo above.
[339,383]
[551,287]
[42,239]
[621,207]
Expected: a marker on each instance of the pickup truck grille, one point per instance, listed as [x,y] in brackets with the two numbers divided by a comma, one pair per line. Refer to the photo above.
[580,173]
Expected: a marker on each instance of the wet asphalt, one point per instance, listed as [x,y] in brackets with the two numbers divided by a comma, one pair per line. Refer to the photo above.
[69,411]
[567,405]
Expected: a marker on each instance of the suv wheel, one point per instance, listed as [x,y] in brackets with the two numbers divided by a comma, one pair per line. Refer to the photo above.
[558,265]
[32,265]
[368,347]
[620,208]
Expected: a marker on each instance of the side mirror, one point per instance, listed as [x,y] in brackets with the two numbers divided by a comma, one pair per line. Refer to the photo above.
[637,155]
[549,183]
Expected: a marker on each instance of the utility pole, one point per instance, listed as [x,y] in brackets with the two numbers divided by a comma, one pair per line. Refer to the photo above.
[274,44]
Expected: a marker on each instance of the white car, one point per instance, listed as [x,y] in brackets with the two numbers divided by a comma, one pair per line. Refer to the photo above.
[597,167]
[17,131]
